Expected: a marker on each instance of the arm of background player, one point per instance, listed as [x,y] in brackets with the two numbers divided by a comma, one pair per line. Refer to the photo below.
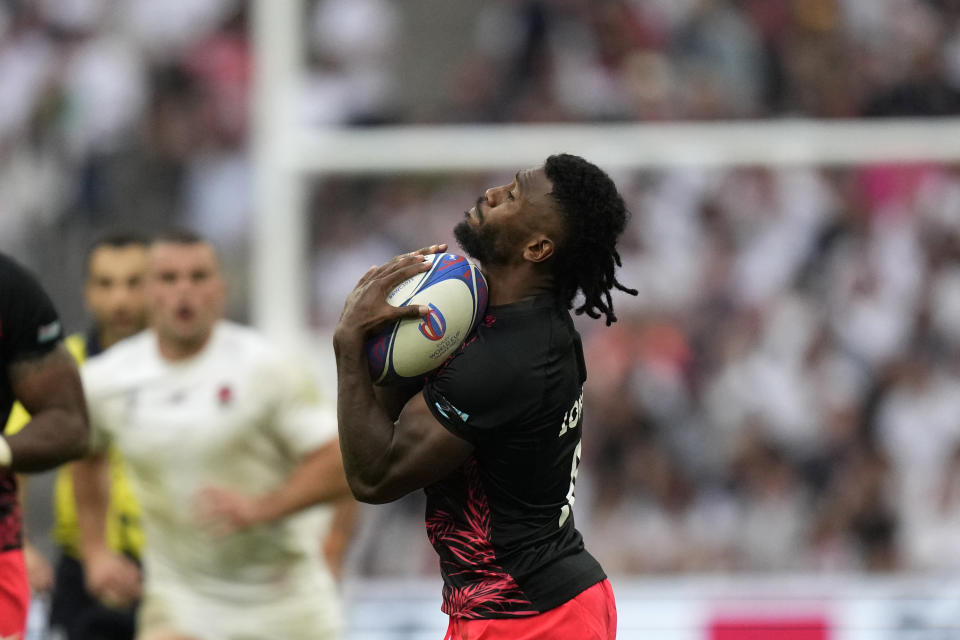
[39,571]
[318,478]
[49,388]
[111,577]
[337,542]
[384,460]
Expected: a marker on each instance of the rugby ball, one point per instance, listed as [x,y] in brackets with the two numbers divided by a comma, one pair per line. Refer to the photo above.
[456,294]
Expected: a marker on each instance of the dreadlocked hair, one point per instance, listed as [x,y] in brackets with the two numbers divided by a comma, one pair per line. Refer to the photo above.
[594,215]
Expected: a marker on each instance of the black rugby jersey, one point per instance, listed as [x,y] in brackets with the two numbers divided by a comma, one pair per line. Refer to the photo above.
[29,327]
[502,524]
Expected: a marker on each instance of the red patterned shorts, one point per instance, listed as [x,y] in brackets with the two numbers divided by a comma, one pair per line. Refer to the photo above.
[14,594]
[592,615]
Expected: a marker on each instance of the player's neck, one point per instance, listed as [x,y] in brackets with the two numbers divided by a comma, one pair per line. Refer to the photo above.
[511,284]
[178,349]
[106,338]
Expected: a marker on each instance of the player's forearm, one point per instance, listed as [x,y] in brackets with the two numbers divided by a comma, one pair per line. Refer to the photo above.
[91,488]
[318,479]
[366,430]
[52,437]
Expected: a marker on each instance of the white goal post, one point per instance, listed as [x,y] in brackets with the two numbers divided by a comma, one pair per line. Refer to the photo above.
[284,151]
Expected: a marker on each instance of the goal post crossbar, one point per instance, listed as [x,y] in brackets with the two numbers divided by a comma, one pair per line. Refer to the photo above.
[455,148]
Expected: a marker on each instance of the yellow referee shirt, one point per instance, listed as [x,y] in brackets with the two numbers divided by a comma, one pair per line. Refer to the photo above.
[124,533]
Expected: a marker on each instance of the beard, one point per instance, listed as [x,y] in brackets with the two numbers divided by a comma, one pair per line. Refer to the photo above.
[486,244]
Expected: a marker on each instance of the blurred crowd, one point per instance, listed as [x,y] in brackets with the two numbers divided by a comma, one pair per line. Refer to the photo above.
[709,59]
[781,394]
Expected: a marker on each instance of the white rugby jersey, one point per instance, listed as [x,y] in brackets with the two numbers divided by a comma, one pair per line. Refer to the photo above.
[239,415]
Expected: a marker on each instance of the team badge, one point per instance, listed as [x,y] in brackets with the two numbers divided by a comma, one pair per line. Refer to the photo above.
[48,332]
[225,395]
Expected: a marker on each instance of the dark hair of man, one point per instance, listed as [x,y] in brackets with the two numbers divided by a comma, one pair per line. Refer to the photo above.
[115,240]
[179,235]
[594,215]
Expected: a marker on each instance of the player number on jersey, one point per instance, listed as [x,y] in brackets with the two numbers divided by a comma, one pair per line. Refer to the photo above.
[565,510]
[572,417]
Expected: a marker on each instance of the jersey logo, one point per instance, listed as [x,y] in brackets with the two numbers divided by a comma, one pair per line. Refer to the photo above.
[433,325]
[445,409]
[448,260]
[48,332]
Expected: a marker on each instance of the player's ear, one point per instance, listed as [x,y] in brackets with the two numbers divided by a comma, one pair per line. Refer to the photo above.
[538,248]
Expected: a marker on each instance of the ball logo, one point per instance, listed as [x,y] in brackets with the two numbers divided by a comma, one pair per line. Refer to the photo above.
[449,260]
[432,325]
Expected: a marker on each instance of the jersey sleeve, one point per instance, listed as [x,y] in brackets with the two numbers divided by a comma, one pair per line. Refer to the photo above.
[474,396]
[18,415]
[305,420]
[29,324]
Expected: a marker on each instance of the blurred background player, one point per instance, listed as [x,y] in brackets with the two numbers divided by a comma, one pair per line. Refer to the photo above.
[115,269]
[498,455]
[227,444]
[37,371]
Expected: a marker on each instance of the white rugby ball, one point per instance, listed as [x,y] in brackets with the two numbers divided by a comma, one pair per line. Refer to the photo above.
[456,293]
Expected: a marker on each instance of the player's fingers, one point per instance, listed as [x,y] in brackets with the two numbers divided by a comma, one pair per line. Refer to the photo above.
[120,592]
[406,269]
[411,311]
[399,263]
[384,270]
[434,248]
[111,600]
[133,583]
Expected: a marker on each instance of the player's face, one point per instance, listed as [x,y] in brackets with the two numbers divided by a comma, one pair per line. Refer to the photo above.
[114,291]
[497,226]
[185,292]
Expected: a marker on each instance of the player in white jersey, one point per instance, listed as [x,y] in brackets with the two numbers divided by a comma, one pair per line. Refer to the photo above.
[226,445]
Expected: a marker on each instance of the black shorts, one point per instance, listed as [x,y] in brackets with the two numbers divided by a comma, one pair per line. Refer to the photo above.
[76,615]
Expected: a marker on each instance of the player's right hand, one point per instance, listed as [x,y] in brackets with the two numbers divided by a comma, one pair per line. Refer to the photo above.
[367,309]
[39,571]
[112,578]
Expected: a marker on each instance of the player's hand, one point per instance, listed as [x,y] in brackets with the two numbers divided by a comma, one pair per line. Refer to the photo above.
[223,511]
[39,571]
[367,309]
[112,578]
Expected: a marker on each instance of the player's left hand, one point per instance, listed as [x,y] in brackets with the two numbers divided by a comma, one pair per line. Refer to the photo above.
[367,309]
[224,511]
[39,571]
